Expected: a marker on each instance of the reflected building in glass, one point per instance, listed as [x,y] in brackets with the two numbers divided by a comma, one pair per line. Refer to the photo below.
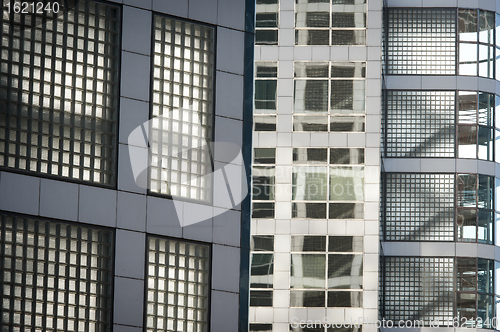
[316,172]
[375,164]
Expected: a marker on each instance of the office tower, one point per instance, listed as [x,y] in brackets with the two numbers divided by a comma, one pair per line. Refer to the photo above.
[316,171]
[333,79]
[115,213]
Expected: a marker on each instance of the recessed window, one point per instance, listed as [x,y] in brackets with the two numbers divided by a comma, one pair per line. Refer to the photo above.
[177,286]
[59,91]
[182,109]
[55,276]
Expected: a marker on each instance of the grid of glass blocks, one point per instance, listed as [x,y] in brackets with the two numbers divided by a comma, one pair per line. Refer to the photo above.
[59,91]
[326,271]
[419,207]
[322,192]
[421,41]
[55,276]
[418,288]
[329,96]
[182,109]
[330,22]
[419,124]
[262,271]
[266,83]
[266,22]
[177,286]
[263,183]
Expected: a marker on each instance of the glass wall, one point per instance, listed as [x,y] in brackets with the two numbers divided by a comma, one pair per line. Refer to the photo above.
[266,22]
[262,271]
[266,86]
[263,183]
[329,96]
[59,92]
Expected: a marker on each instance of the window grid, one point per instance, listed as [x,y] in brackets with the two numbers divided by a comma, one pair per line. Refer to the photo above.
[59,92]
[335,22]
[182,109]
[266,87]
[263,183]
[421,41]
[334,192]
[177,286]
[420,288]
[262,271]
[266,23]
[324,276]
[55,276]
[420,124]
[419,207]
[329,96]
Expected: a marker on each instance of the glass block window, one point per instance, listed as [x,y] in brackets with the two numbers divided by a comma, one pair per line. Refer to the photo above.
[264,183]
[419,207]
[475,209]
[182,109]
[326,271]
[59,91]
[421,41]
[418,288]
[55,276]
[330,22]
[266,82]
[266,22]
[420,124]
[262,270]
[178,286]
[328,192]
[329,96]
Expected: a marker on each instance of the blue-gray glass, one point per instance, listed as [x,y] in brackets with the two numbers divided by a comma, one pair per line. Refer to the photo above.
[485,226]
[307,271]
[485,143]
[486,109]
[308,243]
[345,299]
[262,210]
[309,210]
[261,298]
[345,271]
[466,274]
[485,311]
[345,244]
[485,268]
[261,272]
[264,155]
[466,190]
[310,155]
[307,298]
[265,95]
[485,192]
[262,243]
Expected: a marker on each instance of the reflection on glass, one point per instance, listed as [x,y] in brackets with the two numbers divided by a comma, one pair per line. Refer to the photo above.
[345,271]
[466,190]
[261,298]
[307,299]
[310,123]
[467,141]
[309,210]
[262,243]
[348,37]
[346,211]
[486,26]
[345,299]
[485,227]
[310,96]
[485,307]
[466,307]
[308,243]
[466,225]
[348,96]
[485,192]
[346,183]
[467,58]
[311,69]
[486,108]
[466,274]
[265,95]
[310,155]
[347,123]
[264,155]
[264,122]
[263,183]
[309,183]
[311,37]
[485,143]
[261,273]
[308,271]
[345,244]
[347,156]
[485,275]
[467,25]
[262,210]
[467,107]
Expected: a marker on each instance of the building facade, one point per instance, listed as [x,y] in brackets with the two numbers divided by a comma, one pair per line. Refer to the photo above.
[316,171]
[122,201]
